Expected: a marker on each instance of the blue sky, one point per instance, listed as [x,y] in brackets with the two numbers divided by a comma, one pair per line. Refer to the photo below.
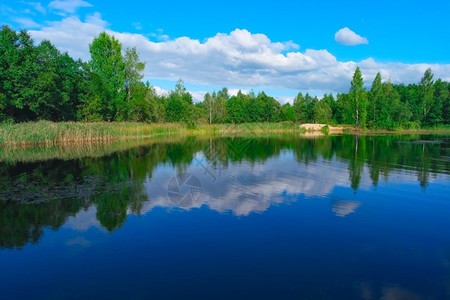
[281,47]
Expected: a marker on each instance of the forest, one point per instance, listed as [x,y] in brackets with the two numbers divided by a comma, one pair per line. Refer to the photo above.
[38,82]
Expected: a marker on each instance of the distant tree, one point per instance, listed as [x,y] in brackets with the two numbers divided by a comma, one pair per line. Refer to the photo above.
[254,109]
[267,108]
[56,87]
[446,105]
[322,111]
[426,97]
[358,99]
[220,106]
[134,69]
[157,105]
[174,108]
[134,87]
[440,98]
[288,112]
[180,107]
[342,109]
[208,107]
[140,107]
[375,101]
[108,72]
[310,108]
[236,108]
[392,113]
[215,106]
[329,99]
[17,71]
[300,108]
[409,98]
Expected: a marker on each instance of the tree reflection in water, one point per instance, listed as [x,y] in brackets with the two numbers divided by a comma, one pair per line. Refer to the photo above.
[44,194]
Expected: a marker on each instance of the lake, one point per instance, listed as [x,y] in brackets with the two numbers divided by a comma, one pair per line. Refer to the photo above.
[250,216]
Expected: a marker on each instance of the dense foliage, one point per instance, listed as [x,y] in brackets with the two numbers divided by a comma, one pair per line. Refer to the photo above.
[38,82]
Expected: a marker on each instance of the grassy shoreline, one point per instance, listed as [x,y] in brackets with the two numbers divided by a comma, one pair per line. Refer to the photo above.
[45,133]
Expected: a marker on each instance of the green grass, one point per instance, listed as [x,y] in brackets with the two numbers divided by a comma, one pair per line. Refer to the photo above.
[45,133]
[50,133]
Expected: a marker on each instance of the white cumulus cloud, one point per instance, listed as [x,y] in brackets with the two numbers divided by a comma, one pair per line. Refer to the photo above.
[160,91]
[26,23]
[239,59]
[68,6]
[347,37]
[71,34]
[38,6]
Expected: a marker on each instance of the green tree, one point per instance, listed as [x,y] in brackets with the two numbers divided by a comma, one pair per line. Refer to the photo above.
[409,98]
[310,108]
[108,76]
[446,106]
[180,107]
[300,108]
[220,105]
[288,112]
[322,111]
[236,108]
[329,99]
[134,69]
[140,106]
[254,108]
[436,112]
[157,105]
[392,112]
[17,71]
[208,106]
[375,100]
[215,106]
[56,87]
[174,108]
[134,87]
[343,114]
[358,98]
[426,97]
[268,109]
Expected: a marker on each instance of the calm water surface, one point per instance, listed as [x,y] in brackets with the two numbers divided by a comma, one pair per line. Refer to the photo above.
[283,217]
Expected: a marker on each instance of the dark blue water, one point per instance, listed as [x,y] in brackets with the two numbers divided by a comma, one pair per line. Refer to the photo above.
[280,218]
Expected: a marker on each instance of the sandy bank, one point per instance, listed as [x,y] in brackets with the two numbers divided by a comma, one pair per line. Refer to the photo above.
[318,128]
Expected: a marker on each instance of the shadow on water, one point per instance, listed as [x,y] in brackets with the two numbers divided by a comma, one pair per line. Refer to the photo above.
[42,187]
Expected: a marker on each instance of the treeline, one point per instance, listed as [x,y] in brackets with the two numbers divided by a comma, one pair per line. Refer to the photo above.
[389,106]
[384,106]
[38,82]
